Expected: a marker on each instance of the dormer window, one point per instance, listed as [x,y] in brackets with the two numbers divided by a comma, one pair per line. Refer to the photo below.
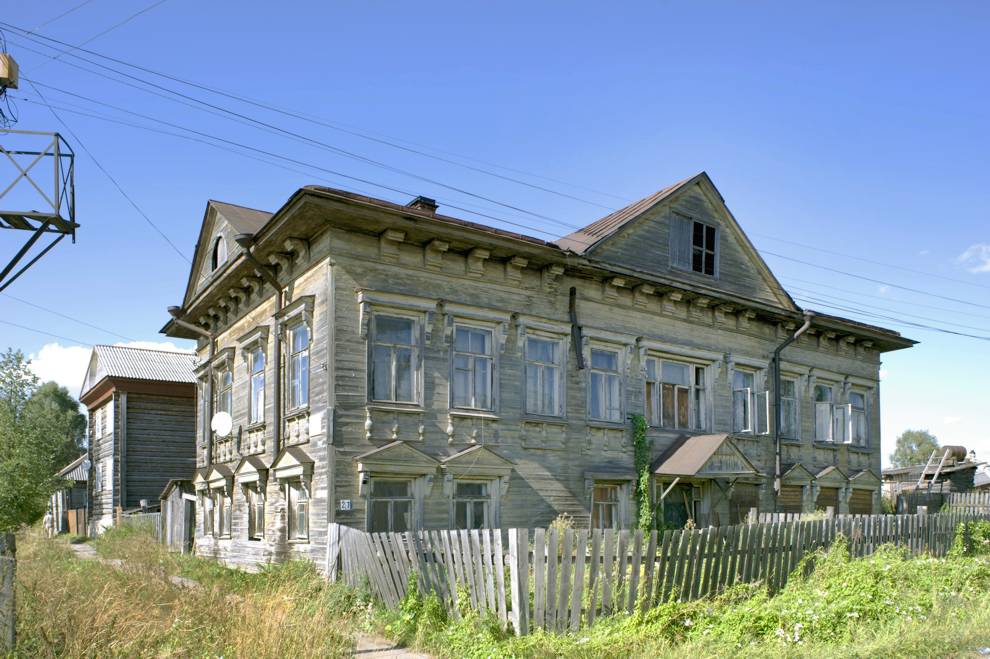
[219,253]
[693,246]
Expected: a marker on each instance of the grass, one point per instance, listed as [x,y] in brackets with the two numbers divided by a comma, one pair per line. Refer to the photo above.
[887,604]
[69,607]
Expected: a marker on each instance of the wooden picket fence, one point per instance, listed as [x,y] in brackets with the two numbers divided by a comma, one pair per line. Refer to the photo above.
[968,502]
[560,580]
[151,521]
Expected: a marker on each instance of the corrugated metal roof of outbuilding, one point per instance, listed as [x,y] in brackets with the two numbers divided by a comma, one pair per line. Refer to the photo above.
[145,364]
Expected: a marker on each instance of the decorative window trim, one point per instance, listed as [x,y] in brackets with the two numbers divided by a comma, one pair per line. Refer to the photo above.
[421,339]
[653,348]
[497,331]
[296,312]
[562,340]
[223,358]
[256,337]
[622,351]
[527,323]
[292,462]
[370,302]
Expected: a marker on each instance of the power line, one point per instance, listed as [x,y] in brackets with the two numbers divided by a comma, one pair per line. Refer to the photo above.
[327,146]
[117,185]
[816,297]
[60,16]
[391,142]
[67,317]
[33,329]
[898,321]
[872,261]
[875,281]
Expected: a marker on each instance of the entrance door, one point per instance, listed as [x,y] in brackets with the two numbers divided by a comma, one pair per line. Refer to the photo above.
[189,525]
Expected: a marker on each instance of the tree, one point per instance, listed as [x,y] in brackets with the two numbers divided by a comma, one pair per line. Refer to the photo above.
[914,447]
[38,427]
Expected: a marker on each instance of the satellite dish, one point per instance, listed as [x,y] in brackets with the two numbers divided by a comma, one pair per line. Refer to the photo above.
[221,423]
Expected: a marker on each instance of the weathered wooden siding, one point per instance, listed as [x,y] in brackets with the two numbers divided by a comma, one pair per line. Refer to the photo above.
[103,447]
[160,445]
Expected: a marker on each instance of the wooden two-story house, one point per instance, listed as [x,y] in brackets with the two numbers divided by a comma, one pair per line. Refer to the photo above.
[142,411]
[389,367]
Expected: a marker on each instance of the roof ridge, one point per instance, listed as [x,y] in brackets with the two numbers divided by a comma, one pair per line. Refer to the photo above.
[188,353]
[242,206]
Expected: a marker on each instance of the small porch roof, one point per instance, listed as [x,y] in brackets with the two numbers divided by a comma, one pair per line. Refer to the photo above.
[706,456]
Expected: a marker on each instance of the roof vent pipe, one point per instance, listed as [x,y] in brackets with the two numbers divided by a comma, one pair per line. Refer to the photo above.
[777,413]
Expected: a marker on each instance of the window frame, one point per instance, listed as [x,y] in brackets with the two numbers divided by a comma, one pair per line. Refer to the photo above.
[705,248]
[411,498]
[795,399]
[749,402]
[859,437]
[699,396]
[224,384]
[560,390]
[256,413]
[606,375]
[824,405]
[597,505]
[488,499]
[223,508]
[254,497]
[492,358]
[219,244]
[293,531]
[416,358]
[291,327]
[682,245]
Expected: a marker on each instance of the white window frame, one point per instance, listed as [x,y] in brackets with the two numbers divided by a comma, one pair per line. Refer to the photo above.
[224,390]
[491,357]
[256,411]
[859,436]
[298,400]
[411,498]
[293,530]
[795,408]
[540,368]
[223,508]
[824,412]
[698,395]
[416,359]
[606,376]
[756,403]
[487,499]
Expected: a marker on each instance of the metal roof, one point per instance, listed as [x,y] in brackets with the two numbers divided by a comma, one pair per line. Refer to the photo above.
[243,219]
[144,364]
[689,455]
[75,470]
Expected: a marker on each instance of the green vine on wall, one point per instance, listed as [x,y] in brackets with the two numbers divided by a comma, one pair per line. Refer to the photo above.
[641,463]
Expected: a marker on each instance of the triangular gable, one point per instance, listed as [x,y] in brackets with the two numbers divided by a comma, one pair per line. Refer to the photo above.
[865,479]
[477,461]
[638,236]
[292,462]
[225,221]
[797,475]
[199,479]
[831,477]
[94,373]
[728,460]
[220,476]
[396,458]
[251,469]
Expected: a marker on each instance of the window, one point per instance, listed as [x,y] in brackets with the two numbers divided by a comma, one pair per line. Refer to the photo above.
[207,504]
[395,360]
[108,418]
[256,369]
[221,511]
[859,429]
[789,409]
[255,511]
[823,413]
[219,253]
[473,368]
[391,506]
[605,507]
[743,388]
[693,246]
[606,386]
[297,496]
[675,395]
[225,384]
[472,505]
[298,366]
[544,362]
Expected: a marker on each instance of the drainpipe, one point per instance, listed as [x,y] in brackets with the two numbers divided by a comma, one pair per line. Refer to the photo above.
[246,241]
[777,414]
[176,312]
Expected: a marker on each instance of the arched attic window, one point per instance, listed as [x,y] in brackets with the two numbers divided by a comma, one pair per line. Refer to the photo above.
[219,252]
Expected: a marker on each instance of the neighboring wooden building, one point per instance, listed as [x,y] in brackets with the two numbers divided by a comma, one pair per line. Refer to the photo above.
[957,472]
[440,373]
[142,432]
[68,504]
[178,509]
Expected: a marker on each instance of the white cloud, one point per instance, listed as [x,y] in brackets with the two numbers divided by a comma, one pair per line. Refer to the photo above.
[66,365]
[949,420]
[976,258]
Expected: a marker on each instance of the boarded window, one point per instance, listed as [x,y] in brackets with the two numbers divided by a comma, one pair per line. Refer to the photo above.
[827,496]
[861,502]
[790,499]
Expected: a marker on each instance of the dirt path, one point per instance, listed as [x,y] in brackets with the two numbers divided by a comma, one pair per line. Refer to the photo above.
[366,646]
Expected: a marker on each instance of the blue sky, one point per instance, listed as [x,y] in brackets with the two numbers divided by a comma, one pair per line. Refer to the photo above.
[857,130]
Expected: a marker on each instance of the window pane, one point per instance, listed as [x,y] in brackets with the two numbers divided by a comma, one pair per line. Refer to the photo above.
[257,361]
[379,515]
[709,263]
[381,373]
[675,373]
[461,514]
[651,369]
[698,234]
[389,488]
[482,383]
[698,260]
[389,329]
[683,406]
[470,490]
[614,399]
[462,339]
[742,380]
[550,405]
[404,388]
[597,391]
[533,392]
[605,360]
[823,394]
[541,350]
[710,238]
[740,410]
[478,515]
[300,337]
[401,515]
[667,396]
[787,388]
[857,400]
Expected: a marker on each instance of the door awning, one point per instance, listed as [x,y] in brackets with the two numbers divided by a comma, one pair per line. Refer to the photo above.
[704,456]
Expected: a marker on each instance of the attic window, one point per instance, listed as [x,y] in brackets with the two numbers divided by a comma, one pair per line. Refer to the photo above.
[693,246]
[219,253]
